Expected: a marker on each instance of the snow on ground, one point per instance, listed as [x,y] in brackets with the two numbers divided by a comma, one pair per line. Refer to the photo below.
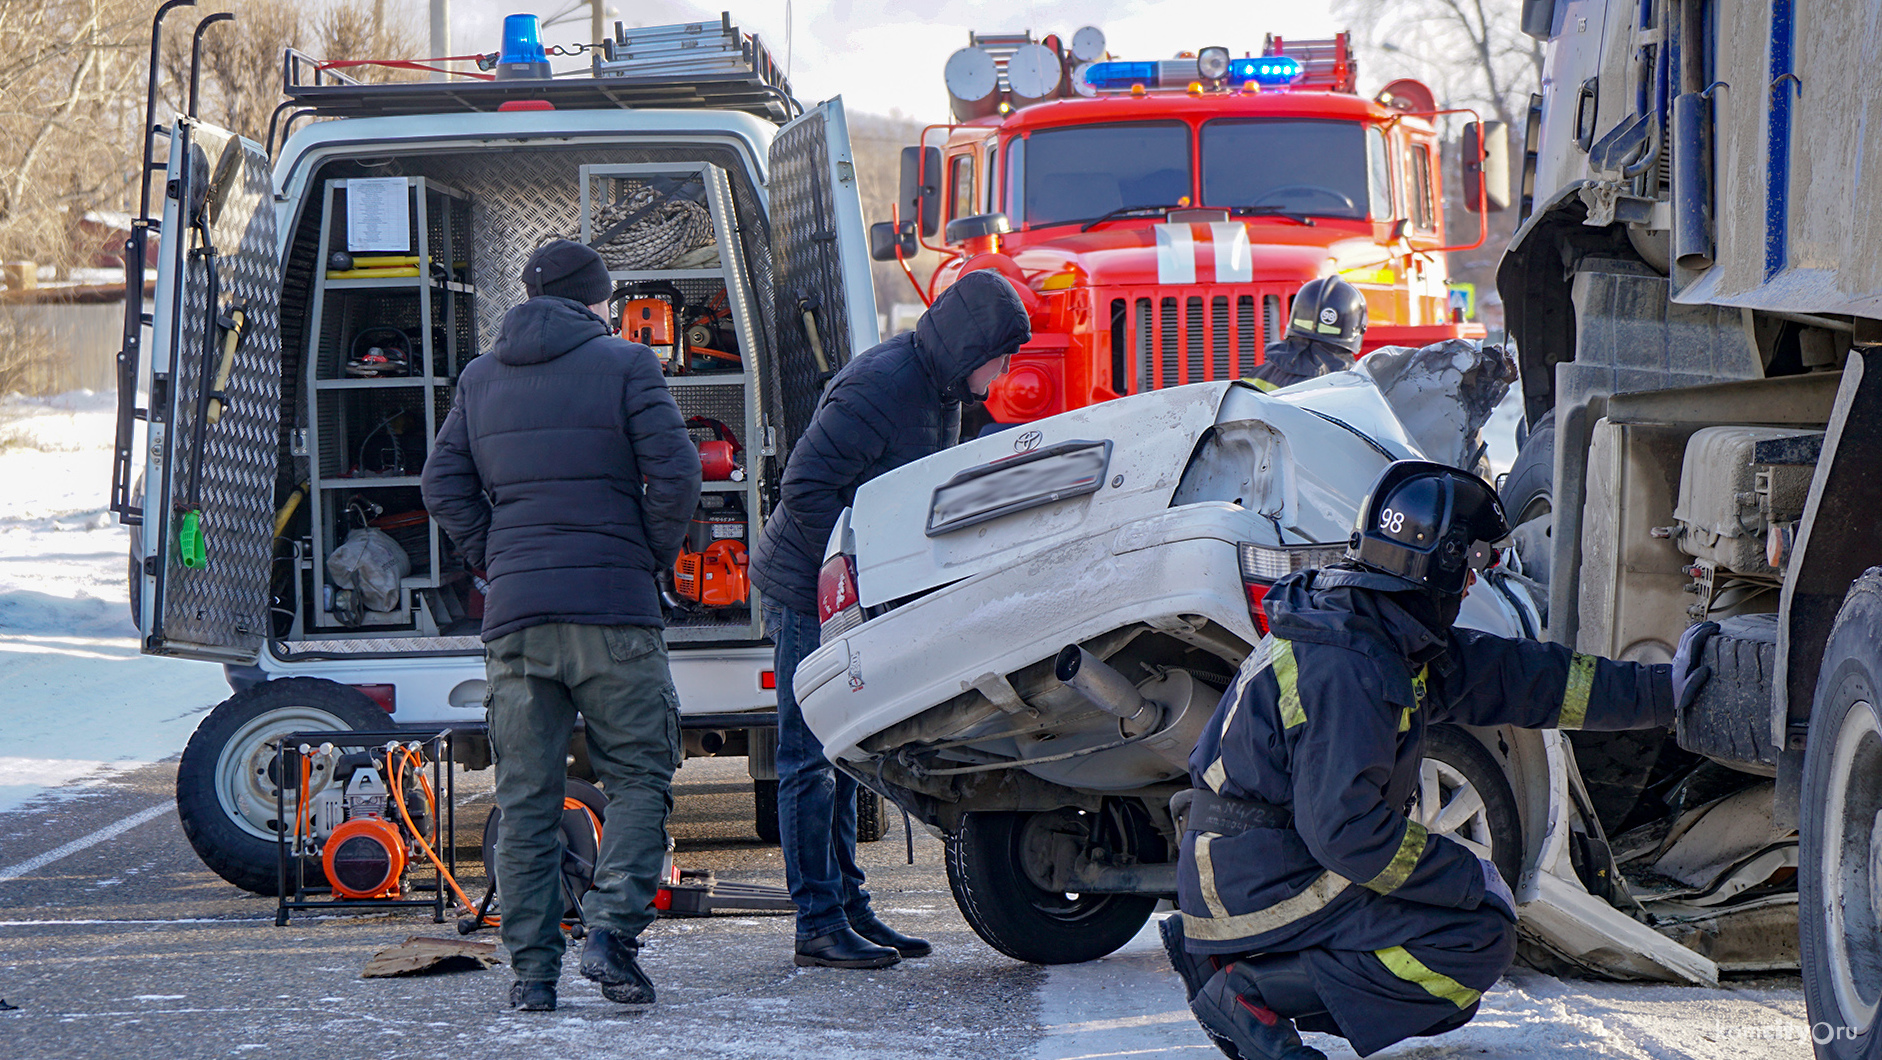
[77,701]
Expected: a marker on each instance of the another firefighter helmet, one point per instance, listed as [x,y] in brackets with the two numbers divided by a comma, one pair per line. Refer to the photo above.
[1331,310]
[1429,524]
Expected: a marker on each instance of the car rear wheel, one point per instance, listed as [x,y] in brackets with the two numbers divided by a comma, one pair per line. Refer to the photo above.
[225,782]
[765,809]
[1463,793]
[1009,909]
[872,816]
[1840,853]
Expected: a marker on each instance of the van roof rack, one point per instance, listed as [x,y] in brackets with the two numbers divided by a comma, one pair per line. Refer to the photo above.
[688,66]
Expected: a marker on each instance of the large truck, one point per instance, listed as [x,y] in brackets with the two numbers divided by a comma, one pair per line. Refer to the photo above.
[316,297]
[1698,306]
[1158,217]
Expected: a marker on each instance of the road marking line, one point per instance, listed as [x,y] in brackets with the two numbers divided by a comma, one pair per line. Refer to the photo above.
[108,832]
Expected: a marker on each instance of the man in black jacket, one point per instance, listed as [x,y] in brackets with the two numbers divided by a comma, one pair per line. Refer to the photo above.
[897,402]
[1309,895]
[1324,332]
[565,471]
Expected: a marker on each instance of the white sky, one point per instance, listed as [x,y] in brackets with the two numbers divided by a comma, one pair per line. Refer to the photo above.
[887,55]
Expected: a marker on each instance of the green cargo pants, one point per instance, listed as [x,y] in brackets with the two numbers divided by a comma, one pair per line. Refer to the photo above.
[616,678]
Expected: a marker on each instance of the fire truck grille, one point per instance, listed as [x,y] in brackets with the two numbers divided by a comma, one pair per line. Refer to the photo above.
[1168,338]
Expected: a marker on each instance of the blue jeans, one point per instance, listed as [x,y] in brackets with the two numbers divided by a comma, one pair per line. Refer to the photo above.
[816,802]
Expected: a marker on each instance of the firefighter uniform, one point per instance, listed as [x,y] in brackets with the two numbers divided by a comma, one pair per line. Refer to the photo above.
[1326,721]
[1295,359]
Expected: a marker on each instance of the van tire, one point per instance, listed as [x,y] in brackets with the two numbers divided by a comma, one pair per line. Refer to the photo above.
[224,789]
[765,809]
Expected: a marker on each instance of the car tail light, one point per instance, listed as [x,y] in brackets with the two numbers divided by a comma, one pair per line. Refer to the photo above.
[839,607]
[1263,565]
[386,696]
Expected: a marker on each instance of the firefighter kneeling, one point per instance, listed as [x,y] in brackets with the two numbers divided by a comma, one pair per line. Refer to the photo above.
[1308,897]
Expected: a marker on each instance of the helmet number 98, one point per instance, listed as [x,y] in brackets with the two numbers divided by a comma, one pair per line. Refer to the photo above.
[1390,521]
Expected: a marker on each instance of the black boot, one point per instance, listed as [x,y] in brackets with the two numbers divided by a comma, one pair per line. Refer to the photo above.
[1243,1027]
[883,935]
[608,959]
[532,995]
[843,948]
[1195,968]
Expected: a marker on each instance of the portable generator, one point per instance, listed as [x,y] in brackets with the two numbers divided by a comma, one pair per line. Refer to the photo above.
[719,517]
[715,577]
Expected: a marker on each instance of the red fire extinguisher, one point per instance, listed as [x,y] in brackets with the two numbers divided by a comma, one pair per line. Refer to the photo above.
[718,459]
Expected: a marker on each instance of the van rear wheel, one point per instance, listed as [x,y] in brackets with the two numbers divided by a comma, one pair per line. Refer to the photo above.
[226,784]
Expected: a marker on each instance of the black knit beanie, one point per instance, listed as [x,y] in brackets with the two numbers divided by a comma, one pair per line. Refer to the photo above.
[567,269]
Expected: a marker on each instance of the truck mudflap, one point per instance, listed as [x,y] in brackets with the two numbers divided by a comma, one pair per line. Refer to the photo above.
[214,439]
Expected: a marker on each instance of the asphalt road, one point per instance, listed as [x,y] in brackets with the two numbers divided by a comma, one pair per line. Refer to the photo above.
[130,947]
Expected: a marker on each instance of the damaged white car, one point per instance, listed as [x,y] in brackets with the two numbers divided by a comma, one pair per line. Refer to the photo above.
[1023,636]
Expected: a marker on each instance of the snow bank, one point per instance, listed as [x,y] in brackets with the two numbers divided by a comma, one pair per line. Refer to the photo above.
[77,701]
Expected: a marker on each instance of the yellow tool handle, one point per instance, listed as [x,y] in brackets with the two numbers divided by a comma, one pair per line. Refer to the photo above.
[380,261]
[372,274]
[230,340]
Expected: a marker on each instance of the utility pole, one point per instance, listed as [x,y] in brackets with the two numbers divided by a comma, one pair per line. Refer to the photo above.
[440,32]
[596,17]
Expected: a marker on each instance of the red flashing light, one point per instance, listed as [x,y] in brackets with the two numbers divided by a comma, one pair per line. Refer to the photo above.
[526,104]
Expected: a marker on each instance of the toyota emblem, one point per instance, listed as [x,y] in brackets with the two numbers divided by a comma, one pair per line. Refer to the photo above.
[1027,442]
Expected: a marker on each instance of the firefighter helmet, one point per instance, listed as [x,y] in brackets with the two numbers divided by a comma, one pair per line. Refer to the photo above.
[1429,524]
[1331,310]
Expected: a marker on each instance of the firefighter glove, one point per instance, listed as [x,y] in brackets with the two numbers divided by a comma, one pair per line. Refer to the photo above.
[1689,674]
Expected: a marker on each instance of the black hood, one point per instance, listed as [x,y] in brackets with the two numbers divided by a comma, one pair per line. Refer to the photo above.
[545,328]
[1349,608]
[973,322]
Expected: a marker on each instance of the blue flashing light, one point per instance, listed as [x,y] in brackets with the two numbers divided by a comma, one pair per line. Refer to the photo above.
[1266,70]
[522,55]
[1121,75]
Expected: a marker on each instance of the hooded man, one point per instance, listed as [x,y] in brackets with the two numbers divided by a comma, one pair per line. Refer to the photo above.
[1324,332]
[565,471]
[897,402]
[1309,897]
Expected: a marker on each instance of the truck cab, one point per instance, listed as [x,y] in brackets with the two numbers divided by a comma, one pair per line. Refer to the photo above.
[1158,217]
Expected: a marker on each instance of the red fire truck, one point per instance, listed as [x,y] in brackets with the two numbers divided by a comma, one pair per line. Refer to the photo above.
[1157,217]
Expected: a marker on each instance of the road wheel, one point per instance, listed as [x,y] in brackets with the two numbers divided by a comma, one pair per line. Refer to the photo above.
[1529,489]
[765,809]
[1464,794]
[872,816]
[225,784]
[1840,856]
[1014,914]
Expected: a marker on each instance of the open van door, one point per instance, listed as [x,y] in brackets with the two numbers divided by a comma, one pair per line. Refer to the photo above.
[820,255]
[212,453]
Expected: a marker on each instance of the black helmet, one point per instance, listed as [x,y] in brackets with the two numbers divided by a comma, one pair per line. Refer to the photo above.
[1428,524]
[1331,310]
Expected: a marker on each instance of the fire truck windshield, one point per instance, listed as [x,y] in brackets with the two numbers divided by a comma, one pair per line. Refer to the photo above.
[1085,172]
[1325,168]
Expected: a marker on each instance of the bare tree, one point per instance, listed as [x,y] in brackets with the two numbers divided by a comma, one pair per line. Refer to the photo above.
[876,142]
[1472,51]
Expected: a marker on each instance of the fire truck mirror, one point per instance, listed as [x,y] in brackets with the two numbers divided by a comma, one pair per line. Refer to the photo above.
[884,238]
[921,188]
[1486,166]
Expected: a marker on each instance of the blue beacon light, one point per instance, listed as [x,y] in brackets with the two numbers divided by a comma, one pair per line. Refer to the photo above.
[1268,70]
[522,57]
[1121,75]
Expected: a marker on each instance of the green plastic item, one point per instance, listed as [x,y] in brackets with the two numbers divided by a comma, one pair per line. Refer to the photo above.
[189,542]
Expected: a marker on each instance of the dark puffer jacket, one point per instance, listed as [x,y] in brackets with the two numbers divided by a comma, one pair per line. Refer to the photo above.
[897,402]
[538,472]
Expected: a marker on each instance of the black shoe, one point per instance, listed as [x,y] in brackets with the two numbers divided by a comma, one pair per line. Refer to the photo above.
[883,935]
[843,948]
[1245,1029]
[532,995]
[1195,968]
[609,960]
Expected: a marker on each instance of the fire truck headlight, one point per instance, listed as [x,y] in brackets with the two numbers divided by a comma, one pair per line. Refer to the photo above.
[1212,63]
[1027,390]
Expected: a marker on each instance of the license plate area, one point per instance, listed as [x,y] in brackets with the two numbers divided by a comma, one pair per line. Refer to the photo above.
[1016,483]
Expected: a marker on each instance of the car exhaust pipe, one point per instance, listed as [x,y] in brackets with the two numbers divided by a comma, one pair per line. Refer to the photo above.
[703,742]
[1107,689]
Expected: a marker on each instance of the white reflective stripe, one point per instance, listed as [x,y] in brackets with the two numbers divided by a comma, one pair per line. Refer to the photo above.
[1215,776]
[1205,875]
[1176,254]
[1234,262]
[1244,925]
[1258,660]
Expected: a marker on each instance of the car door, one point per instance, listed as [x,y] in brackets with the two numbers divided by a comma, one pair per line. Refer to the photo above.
[826,300]
[213,443]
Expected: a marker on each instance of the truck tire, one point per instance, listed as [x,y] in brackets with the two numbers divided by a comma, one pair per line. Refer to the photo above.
[1529,489]
[1840,855]
[1019,918]
[872,816]
[765,809]
[1473,798]
[225,793]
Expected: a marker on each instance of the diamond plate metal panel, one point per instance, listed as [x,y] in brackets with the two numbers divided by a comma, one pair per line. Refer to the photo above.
[222,610]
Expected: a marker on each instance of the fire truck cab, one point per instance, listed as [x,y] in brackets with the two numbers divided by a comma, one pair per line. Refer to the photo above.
[1158,217]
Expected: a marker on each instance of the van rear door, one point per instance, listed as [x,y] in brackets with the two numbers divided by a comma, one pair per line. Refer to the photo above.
[213,448]
[826,300]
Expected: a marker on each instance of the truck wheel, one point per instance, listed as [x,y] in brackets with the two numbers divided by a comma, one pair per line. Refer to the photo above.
[1840,854]
[1463,793]
[765,809]
[225,785]
[1021,919]
[872,816]
[1529,490]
